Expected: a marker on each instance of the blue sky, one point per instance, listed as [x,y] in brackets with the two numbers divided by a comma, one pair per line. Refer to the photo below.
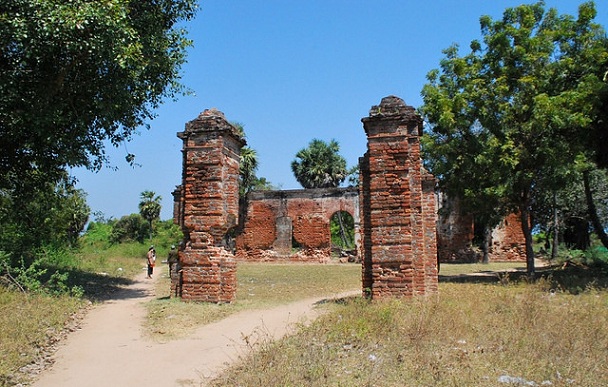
[291,71]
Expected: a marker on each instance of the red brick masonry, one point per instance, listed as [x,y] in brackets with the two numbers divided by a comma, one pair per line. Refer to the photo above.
[398,217]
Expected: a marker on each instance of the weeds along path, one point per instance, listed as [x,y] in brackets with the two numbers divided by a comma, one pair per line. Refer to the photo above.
[111,350]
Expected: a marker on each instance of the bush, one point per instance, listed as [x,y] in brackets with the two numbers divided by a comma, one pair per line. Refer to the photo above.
[166,234]
[596,256]
[42,275]
[129,228]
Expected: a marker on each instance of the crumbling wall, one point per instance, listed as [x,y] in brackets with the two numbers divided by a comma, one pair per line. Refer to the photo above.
[276,220]
[454,232]
[208,208]
[508,241]
[397,205]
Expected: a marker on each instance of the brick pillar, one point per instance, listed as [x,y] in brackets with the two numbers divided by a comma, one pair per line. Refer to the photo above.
[209,204]
[397,205]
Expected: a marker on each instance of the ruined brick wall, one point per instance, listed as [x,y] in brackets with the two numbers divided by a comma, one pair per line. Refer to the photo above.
[508,241]
[208,207]
[275,217]
[454,232]
[397,205]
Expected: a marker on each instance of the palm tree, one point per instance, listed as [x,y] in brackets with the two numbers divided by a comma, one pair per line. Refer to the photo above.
[149,207]
[320,165]
[248,166]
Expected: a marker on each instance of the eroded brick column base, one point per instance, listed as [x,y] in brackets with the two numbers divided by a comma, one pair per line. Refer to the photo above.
[208,275]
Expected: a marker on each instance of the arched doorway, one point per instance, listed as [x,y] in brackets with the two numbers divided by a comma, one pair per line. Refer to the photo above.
[342,228]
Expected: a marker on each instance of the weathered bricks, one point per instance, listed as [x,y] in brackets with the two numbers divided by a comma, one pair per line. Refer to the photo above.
[207,208]
[397,205]
[275,219]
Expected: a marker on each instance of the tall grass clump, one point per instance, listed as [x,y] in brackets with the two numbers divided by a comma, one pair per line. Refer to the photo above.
[30,323]
[467,335]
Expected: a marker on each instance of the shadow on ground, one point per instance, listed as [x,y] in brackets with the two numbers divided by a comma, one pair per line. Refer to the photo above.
[103,287]
[570,278]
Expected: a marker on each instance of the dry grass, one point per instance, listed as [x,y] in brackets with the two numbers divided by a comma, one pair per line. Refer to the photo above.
[468,335]
[29,324]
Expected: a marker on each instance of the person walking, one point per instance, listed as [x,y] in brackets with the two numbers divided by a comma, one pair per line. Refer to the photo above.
[151,260]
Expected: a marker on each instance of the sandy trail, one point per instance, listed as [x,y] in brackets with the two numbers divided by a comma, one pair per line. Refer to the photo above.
[110,350]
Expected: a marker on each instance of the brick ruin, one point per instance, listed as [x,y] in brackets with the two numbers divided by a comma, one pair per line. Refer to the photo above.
[455,233]
[399,236]
[397,205]
[275,221]
[208,208]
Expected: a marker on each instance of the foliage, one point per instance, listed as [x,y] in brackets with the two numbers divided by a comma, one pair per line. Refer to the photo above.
[319,165]
[342,227]
[247,169]
[41,275]
[572,213]
[248,166]
[149,208]
[77,74]
[129,228]
[503,115]
[51,214]
[596,256]
[262,184]
[167,234]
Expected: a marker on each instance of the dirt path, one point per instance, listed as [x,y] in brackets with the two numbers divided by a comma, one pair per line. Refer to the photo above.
[110,350]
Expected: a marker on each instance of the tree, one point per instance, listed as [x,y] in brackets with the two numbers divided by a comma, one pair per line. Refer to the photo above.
[54,214]
[320,165]
[129,228]
[503,116]
[77,74]
[149,208]
[247,168]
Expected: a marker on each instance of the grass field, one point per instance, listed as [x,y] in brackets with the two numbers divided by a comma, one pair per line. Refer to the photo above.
[470,334]
[551,330]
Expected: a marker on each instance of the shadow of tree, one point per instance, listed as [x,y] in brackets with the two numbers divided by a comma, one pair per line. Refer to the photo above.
[569,278]
[100,286]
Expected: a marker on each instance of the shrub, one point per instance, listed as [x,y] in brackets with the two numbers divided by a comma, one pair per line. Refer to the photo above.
[129,228]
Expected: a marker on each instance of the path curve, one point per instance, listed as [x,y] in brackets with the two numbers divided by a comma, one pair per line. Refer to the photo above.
[110,350]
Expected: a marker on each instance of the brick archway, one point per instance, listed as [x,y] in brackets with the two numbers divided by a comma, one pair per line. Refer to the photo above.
[393,209]
[274,219]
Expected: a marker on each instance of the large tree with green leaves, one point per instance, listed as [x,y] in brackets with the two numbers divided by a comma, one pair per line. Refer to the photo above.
[76,74]
[513,115]
[320,165]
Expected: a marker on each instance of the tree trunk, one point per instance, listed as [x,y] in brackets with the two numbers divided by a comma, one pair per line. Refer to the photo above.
[554,247]
[487,242]
[595,220]
[342,233]
[525,227]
